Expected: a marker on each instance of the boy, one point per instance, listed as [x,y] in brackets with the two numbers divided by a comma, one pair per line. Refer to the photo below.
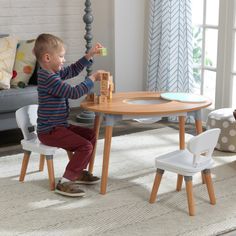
[53,94]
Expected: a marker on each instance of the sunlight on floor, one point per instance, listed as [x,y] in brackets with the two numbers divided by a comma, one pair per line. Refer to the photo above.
[45,203]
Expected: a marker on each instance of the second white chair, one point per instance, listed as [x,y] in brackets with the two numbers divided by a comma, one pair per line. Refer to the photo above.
[196,158]
[26,118]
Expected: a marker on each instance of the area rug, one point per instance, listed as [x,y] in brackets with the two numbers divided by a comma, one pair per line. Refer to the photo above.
[29,208]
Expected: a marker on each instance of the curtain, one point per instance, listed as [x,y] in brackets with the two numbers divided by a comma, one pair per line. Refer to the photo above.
[170,46]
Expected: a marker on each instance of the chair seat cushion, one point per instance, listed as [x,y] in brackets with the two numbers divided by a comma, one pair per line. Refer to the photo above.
[181,162]
[34,145]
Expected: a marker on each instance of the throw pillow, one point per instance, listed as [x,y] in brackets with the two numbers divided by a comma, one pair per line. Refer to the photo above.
[24,63]
[34,77]
[7,58]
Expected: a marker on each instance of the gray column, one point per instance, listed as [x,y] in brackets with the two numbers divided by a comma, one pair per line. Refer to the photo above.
[88,20]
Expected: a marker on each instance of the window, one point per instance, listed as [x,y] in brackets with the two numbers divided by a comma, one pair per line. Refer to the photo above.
[205,38]
[214,52]
[234,60]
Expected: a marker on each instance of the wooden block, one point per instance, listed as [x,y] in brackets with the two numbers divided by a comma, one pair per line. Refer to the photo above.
[110,95]
[112,87]
[90,97]
[99,100]
[97,88]
[105,76]
[103,51]
[104,85]
[103,99]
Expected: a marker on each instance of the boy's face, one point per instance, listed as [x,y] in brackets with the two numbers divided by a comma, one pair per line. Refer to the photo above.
[56,60]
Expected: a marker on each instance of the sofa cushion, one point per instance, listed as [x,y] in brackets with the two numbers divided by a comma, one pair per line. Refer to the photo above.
[14,98]
[24,63]
[7,58]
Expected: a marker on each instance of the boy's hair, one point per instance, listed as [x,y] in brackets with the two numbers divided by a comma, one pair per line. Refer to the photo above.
[46,43]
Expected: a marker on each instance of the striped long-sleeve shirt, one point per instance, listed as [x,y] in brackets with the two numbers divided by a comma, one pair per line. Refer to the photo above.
[54,92]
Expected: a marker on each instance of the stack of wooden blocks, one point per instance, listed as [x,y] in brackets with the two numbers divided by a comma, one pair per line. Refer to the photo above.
[103,88]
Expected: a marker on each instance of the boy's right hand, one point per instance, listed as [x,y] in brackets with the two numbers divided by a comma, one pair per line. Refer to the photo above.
[95,50]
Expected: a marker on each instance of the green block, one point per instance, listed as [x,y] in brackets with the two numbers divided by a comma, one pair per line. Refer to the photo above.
[103,51]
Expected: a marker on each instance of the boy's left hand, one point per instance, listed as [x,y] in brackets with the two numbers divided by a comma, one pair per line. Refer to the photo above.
[93,51]
[95,76]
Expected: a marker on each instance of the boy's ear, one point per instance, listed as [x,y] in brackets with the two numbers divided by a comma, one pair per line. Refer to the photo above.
[46,57]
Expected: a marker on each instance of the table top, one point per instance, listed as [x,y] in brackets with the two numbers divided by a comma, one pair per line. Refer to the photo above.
[143,103]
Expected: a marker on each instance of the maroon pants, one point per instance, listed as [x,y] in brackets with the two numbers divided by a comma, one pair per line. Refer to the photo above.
[79,140]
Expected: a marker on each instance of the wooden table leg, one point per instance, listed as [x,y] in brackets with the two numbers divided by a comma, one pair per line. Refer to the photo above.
[181,147]
[97,123]
[181,132]
[106,156]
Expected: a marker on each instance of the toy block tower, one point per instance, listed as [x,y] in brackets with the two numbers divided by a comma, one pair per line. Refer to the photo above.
[103,88]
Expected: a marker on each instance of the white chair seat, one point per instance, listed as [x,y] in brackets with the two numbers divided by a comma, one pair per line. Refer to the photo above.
[181,162]
[34,145]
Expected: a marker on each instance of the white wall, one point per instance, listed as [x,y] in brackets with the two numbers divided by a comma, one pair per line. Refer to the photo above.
[103,32]
[28,18]
[129,37]
[118,24]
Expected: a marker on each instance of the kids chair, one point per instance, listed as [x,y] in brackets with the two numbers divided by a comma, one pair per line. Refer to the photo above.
[26,118]
[196,158]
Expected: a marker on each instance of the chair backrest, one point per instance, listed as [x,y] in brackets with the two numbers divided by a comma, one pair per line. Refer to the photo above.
[203,143]
[26,119]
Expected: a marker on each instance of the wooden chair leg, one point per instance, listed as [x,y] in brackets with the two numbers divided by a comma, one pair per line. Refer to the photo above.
[189,191]
[156,185]
[209,184]
[203,178]
[69,154]
[179,183]
[51,175]
[41,162]
[24,165]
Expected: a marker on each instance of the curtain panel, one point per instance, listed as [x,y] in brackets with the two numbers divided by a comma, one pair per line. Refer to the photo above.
[170,51]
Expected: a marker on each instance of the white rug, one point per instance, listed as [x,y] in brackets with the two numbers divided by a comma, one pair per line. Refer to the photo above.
[31,209]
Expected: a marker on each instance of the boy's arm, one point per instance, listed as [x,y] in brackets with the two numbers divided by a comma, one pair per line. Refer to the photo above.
[61,89]
[75,68]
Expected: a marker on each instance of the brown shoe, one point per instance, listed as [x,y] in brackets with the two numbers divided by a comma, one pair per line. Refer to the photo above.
[87,178]
[69,189]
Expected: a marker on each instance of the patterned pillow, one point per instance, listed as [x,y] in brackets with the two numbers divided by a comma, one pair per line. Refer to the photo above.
[24,64]
[7,58]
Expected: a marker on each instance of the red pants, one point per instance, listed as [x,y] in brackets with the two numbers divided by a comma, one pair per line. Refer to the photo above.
[79,140]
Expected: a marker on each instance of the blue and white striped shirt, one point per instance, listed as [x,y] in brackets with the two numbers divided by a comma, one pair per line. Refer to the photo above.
[54,92]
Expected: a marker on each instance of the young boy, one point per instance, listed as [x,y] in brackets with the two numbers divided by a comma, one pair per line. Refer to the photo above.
[53,94]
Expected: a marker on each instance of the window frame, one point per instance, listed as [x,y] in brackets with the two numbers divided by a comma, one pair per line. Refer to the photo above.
[224,76]
[225,55]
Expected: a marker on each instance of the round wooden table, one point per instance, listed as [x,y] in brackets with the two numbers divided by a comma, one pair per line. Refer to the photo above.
[130,105]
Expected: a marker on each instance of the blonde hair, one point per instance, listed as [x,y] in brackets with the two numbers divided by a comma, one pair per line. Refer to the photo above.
[46,43]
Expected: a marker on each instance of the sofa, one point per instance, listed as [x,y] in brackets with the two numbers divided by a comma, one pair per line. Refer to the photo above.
[11,100]
[18,78]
